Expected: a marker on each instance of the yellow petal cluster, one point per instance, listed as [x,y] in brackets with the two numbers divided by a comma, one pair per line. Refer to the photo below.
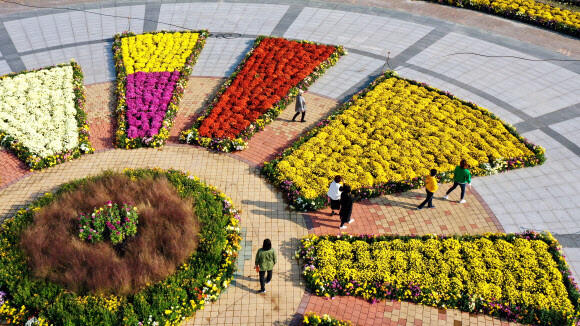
[157,52]
[398,131]
[533,9]
[520,272]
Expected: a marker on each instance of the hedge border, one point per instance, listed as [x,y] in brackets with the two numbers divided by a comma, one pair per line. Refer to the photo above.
[36,162]
[122,140]
[191,135]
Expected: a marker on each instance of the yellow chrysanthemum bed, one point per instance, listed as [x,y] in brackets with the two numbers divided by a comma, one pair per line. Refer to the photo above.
[529,11]
[389,136]
[521,277]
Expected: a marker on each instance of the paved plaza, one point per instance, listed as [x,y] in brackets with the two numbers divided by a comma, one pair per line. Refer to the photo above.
[527,76]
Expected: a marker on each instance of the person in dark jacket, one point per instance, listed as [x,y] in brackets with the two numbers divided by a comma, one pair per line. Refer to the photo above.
[265,261]
[461,178]
[346,201]
[300,106]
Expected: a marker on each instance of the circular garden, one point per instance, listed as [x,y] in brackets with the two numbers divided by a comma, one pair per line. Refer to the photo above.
[125,248]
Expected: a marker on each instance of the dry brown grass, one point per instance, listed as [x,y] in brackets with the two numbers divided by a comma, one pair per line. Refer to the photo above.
[166,236]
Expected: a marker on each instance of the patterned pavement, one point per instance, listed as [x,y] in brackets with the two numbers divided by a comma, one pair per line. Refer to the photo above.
[523,74]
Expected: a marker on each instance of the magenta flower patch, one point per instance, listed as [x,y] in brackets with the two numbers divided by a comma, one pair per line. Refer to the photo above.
[148,95]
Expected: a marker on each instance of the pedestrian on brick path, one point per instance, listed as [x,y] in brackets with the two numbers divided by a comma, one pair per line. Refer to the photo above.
[461,178]
[300,106]
[346,201]
[334,194]
[430,187]
[265,261]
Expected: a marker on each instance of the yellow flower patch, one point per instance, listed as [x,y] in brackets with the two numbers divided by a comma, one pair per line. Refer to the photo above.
[536,10]
[491,273]
[529,11]
[157,52]
[398,131]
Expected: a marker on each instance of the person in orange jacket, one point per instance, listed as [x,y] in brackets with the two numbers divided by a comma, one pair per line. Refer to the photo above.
[430,186]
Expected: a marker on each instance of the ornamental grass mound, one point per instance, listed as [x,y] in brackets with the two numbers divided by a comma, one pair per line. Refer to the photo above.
[166,236]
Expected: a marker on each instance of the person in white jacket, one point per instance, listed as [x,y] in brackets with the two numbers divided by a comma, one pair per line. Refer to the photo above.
[334,194]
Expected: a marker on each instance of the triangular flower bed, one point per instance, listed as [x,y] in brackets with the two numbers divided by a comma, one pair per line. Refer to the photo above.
[42,117]
[264,83]
[388,137]
[152,72]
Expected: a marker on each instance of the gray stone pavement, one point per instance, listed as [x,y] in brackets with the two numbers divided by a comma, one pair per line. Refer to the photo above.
[529,86]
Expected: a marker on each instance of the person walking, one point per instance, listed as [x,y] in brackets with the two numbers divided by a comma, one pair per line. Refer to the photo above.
[430,187]
[461,178]
[346,201]
[300,106]
[334,194]
[265,261]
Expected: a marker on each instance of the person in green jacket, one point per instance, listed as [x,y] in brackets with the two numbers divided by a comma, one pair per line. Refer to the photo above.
[461,178]
[265,261]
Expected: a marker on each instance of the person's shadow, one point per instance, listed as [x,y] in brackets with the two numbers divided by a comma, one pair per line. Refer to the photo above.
[273,210]
[236,282]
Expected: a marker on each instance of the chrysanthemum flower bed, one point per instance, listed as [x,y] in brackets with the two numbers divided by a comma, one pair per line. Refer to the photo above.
[521,277]
[42,117]
[152,73]
[388,137]
[528,11]
[264,83]
[201,278]
[314,319]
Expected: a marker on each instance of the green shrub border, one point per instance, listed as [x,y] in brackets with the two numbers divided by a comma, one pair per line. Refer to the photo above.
[172,108]
[36,162]
[192,136]
[201,278]
[523,314]
[301,203]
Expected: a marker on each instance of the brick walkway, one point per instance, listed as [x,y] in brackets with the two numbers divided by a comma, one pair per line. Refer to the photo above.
[396,214]
[11,168]
[265,213]
[282,132]
[264,216]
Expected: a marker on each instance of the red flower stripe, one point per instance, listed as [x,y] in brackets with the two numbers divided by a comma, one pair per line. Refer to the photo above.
[259,89]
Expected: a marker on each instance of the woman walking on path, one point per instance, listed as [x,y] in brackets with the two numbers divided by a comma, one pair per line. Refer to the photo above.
[430,187]
[346,201]
[461,178]
[265,261]
[334,194]
[300,106]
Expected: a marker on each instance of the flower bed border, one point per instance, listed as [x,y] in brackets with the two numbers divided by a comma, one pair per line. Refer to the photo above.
[552,24]
[122,140]
[315,319]
[36,162]
[192,136]
[413,293]
[168,302]
[301,203]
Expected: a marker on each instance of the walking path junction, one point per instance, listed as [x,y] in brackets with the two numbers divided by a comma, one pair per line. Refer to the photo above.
[525,75]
